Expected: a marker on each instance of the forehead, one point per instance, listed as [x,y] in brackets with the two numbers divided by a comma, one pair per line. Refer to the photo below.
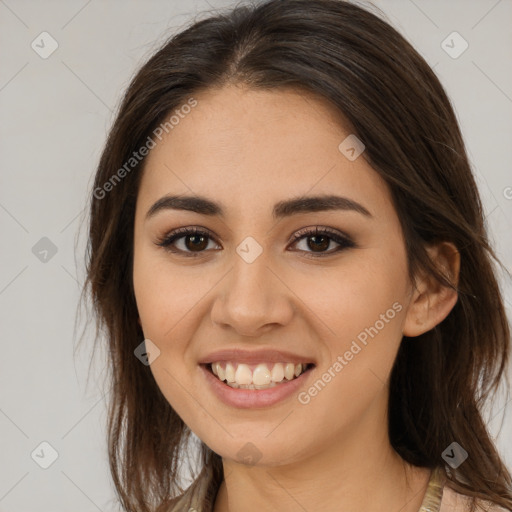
[252,146]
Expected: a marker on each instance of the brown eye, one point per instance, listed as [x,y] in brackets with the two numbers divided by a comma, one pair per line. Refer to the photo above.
[193,241]
[318,242]
[319,239]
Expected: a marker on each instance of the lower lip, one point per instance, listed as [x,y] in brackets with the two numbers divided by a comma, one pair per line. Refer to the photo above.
[253,398]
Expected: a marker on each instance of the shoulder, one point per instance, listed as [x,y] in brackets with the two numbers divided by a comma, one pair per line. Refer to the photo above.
[455,502]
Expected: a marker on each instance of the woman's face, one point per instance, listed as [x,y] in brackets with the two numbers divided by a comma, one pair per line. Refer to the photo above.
[248,286]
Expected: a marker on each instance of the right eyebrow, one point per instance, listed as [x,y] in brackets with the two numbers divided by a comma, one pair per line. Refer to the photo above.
[286,208]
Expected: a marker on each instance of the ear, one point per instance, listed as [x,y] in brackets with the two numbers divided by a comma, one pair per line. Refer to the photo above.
[431,302]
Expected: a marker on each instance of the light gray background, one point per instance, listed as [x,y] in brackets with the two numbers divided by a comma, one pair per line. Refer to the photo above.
[54,116]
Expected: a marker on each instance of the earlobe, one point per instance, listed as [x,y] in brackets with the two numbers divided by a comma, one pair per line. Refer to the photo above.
[431,301]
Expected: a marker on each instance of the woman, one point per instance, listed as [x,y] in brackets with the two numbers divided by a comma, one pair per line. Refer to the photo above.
[288,253]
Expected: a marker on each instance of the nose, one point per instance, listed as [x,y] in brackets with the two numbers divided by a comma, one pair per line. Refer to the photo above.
[253,298]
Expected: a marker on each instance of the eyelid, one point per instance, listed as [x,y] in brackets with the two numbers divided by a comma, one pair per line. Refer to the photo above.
[321,230]
[170,237]
[342,239]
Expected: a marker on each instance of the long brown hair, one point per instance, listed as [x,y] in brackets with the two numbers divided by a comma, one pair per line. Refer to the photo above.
[396,105]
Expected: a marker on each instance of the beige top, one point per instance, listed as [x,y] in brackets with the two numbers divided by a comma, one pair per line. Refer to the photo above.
[438,497]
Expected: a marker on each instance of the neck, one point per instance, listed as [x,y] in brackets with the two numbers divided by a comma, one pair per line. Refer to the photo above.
[391,486]
[357,470]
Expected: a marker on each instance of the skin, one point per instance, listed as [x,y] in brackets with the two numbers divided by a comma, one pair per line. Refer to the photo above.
[248,149]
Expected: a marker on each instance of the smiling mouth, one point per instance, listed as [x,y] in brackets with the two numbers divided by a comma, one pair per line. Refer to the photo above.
[256,376]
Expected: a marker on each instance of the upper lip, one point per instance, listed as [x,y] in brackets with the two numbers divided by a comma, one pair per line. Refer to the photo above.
[254,356]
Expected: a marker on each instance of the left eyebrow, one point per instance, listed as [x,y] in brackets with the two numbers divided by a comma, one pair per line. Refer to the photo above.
[204,206]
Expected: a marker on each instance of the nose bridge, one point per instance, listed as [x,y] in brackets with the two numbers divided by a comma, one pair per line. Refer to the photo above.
[250,288]
[251,295]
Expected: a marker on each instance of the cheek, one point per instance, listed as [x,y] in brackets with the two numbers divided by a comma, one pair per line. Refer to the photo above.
[346,300]
[151,304]
[165,303]
[363,314]
[163,293]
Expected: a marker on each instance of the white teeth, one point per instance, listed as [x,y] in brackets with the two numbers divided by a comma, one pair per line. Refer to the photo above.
[251,386]
[260,378]
[230,373]
[243,374]
[289,371]
[261,375]
[221,373]
[277,373]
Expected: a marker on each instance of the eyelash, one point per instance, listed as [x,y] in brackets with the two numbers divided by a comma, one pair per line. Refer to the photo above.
[344,241]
